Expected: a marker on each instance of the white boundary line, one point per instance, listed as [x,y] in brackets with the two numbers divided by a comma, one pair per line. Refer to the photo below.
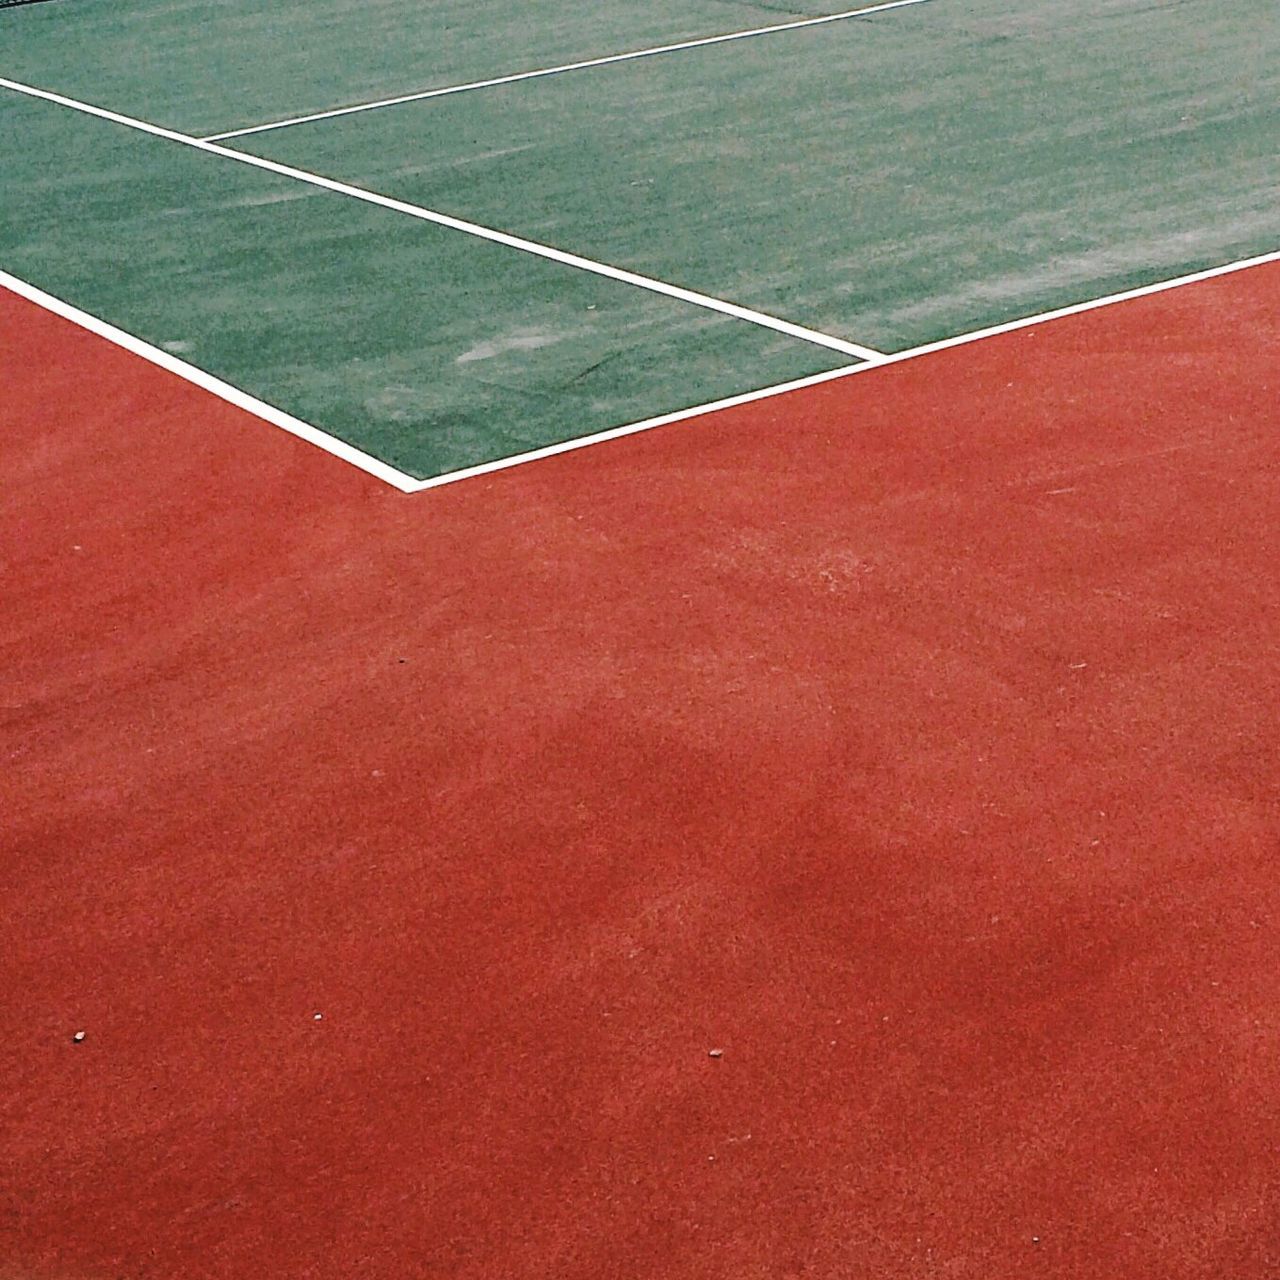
[701,43]
[207,382]
[423,214]
[407,484]
[832,375]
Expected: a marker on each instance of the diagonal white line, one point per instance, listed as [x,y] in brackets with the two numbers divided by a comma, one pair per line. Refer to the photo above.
[445,92]
[215,386]
[409,484]
[703,300]
[834,375]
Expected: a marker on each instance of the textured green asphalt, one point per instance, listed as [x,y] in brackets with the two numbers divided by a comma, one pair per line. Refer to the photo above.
[892,180]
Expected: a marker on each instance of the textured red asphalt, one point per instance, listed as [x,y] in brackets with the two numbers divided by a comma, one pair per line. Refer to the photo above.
[912,739]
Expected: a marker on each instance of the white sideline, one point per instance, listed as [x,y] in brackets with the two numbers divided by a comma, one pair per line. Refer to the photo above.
[422,95]
[705,301]
[207,382]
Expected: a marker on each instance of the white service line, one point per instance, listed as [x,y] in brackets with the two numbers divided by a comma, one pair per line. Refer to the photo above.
[832,375]
[705,301]
[568,66]
[207,382]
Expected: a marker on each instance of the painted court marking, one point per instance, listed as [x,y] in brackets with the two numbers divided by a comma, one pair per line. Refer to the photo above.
[833,375]
[701,43]
[215,386]
[408,484]
[705,301]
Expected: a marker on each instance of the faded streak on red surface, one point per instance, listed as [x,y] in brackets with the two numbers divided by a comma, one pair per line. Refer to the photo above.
[912,738]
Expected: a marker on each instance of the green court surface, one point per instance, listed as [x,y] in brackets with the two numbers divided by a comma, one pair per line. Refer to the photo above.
[887,180]
[893,180]
[430,349]
[255,60]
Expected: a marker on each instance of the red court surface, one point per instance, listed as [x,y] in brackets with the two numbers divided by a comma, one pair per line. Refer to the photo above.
[910,738]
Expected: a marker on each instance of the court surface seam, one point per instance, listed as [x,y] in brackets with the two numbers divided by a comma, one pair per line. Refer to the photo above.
[422,95]
[410,484]
[705,301]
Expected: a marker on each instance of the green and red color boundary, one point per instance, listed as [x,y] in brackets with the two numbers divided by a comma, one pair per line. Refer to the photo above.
[909,738]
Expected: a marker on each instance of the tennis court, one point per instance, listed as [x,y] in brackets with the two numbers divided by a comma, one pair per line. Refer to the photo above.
[643,639]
